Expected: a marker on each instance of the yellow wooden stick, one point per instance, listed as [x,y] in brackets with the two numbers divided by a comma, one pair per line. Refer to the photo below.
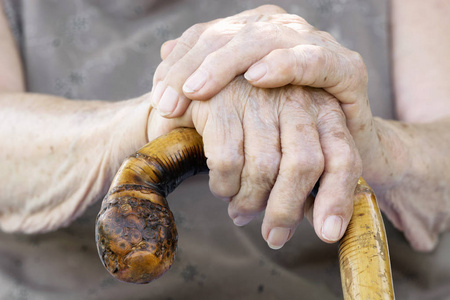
[363,250]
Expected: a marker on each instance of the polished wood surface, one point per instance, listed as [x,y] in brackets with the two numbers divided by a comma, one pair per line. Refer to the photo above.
[136,234]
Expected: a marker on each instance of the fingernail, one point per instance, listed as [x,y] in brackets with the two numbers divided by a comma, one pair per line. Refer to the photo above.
[256,72]
[242,220]
[195,82]
[278,237]
[331,229]
[157,93]
[168,101]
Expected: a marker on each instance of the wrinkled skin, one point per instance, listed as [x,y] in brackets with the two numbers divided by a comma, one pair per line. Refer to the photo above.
[56,165]
[272,49]
[293,52]
[266,149]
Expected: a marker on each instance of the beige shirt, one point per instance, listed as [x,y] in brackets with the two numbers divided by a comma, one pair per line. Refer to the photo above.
[109,49]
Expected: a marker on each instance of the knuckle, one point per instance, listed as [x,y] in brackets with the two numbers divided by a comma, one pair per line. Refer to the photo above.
[314,163]
[192,34]
[262,32]
[360,67]
[221,190]
[294,22]
[316,55]
[287,215]
[345,158]
[356,58]
[161,71]
[299,20]
[247,207]
[262,169]
[333,114]
[311,162]
[282,61]
[196,29]
[225,163]
[219,34]
[224,191]
[310,59]
[270,8]
[327,36]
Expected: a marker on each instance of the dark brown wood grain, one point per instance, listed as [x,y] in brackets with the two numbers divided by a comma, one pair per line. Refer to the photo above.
[137,238]
[136,233]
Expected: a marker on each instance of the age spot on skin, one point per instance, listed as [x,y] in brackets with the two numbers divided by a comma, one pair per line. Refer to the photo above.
[339,135]
[301,127]
[241,148]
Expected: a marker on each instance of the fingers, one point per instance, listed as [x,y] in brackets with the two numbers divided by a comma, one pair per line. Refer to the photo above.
[218,68]
[173,97]
[170,100]
[172,104]
[158,125]
[183,56]
[175,51]
[273,49]
[333,205]
[342,74]
[224,149]
[171,53]
[300,167]
[262,158]
[312,148]
[222,51]
[190,37]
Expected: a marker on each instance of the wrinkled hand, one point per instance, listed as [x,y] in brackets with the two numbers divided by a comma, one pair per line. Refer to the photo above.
[266,149]
[289,51]
[272,48]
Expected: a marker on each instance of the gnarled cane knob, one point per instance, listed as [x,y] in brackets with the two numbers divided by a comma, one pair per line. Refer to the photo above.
[136,234]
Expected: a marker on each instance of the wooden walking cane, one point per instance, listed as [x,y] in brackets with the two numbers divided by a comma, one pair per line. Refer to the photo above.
[137,238]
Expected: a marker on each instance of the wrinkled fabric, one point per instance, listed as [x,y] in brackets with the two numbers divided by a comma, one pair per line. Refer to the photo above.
[109,49]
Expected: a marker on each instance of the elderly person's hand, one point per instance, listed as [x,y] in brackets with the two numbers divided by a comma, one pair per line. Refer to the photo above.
[273,49]
[267,148]
[208,56]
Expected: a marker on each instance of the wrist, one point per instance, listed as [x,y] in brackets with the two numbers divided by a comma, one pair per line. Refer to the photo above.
[386,155]
[411,185]
[129,126]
